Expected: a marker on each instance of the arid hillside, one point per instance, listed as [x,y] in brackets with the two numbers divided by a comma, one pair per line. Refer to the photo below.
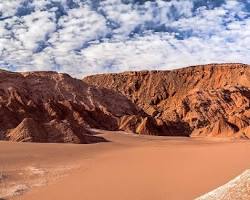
[206,100]
[53,107]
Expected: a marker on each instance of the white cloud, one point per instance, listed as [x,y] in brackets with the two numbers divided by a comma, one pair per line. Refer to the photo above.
[79,26]
[83,37]
[8,8]
[35,28]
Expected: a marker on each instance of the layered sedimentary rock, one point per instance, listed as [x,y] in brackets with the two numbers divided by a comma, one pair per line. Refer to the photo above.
[207,100]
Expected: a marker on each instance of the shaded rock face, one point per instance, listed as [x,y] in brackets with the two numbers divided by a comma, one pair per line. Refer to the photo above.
[53,107]
[208,100]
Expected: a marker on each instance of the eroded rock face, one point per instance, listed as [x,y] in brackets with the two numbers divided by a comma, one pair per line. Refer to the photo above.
[208,100]
[53,107]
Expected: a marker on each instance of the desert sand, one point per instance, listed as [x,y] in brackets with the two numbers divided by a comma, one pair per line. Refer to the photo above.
[238,188]
[127,167]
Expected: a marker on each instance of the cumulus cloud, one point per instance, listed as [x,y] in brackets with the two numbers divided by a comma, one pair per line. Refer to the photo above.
[83,37]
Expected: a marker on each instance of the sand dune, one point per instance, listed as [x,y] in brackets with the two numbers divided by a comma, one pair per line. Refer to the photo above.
[127,167]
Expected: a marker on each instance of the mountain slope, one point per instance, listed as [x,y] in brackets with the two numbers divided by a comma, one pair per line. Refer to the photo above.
[209,100]
[206,100]
[53,107]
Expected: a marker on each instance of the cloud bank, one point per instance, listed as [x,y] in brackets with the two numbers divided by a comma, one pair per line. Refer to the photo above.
[82,37]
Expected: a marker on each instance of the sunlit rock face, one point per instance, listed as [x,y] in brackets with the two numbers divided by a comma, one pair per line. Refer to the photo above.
[53,107]
[199,101]
[208,100]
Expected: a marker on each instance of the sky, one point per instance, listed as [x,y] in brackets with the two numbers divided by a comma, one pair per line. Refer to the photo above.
[83,37]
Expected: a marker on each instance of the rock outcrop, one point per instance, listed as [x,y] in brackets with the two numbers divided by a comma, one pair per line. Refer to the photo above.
[200,101]
[207,100]
[53,107]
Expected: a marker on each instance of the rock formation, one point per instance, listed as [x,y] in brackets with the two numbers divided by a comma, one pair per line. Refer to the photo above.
[53,107]
[207,100]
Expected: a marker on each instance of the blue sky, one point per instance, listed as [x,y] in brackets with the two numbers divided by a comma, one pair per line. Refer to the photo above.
[82,37]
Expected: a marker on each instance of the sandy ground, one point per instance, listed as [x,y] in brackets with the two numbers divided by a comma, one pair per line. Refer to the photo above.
[236,189]
[127,167]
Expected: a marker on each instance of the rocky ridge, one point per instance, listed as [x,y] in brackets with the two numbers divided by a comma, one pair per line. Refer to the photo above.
[54,107]
[207,100]
[200,101]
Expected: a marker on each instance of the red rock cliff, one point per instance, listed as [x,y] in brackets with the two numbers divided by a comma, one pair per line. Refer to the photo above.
[206,100]
[53,107]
